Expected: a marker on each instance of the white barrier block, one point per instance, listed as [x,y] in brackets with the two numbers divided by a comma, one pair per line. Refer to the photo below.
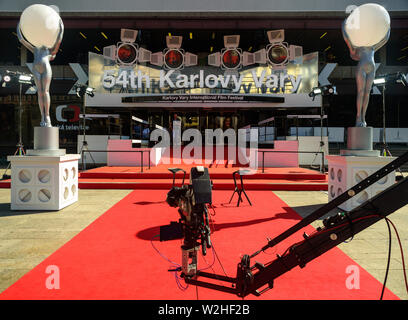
[346,171]
[43,182]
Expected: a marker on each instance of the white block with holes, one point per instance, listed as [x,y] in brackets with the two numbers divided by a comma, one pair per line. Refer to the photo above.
[347,171]
[43,182]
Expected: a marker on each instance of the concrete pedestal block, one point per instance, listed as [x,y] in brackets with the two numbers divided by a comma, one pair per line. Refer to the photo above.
[360,143]
[46,142]
[43,182]
[347,171]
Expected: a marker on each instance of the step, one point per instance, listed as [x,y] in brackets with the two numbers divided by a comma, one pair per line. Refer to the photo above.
[220,184]
[217,175]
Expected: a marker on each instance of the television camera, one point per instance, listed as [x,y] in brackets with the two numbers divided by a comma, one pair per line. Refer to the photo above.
[192,200]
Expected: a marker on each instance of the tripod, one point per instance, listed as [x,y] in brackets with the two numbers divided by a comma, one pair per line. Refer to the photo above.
[322,144]
[20,147]
[84,148]
[385,152]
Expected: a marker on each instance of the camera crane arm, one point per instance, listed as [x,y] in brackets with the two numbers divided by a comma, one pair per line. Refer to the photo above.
[337,229]
[395,164]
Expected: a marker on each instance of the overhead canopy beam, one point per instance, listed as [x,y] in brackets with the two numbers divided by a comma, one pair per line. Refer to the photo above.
[222,22]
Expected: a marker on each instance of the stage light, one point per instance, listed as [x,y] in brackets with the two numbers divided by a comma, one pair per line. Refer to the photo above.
[402,80]
[323,91]
[397,77]
[173,59]
[277,54]
[230,58]
[317,91]
[82,89]
[24,78]
[127,53]
[89,91]
[379,81]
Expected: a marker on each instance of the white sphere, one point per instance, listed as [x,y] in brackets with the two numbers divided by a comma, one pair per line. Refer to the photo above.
[40,25]
[367,25]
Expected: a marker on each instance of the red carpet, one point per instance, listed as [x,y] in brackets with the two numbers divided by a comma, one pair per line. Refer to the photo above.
[113,258]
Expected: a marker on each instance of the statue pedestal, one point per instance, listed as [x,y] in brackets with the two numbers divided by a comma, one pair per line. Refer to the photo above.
[46,142]
[46,178]
[43,182]
[360,142]
[354,165]
[347,171]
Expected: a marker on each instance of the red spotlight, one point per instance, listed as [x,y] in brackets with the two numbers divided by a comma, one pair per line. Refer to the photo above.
[127,53]
[231,58]
[173,59]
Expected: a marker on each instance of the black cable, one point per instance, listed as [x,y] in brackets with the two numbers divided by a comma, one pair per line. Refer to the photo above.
[388,259]
[216,255]
[351,227]
[402,254]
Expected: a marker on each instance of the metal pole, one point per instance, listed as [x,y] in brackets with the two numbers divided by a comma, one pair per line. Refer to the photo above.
[20,139]
[322,166]
[263,161]
[84,142]
[383,118]
[321,138]
[84,119]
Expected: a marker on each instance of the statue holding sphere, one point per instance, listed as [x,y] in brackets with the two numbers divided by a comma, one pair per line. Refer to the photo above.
[41,30]
[365,31]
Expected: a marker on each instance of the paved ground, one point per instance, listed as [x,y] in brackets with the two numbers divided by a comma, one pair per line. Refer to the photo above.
[27,238]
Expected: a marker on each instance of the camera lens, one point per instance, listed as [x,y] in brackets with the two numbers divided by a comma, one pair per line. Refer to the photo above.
[127,53]
[173,59]
[278,54]
[231,59]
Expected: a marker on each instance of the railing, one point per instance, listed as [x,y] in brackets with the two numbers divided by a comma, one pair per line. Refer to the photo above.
[90,151]
[277,151]
[149,151]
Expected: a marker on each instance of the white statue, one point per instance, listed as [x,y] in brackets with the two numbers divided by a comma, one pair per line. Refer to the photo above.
[365,31]
[41,30]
